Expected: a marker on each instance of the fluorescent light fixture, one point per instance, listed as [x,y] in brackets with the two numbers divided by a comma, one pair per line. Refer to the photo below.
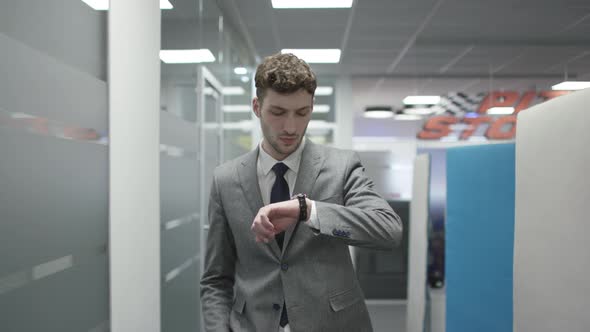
[245,79]
[407,117]
[321,124]
[321,108]
[328,55]
[104,4]
[421,100]
[500,110]
[237,108]
[324,91]
[571,85]
[418,111]
[233,91]
[378,112]
[240,71]
[284,4]
[187,56]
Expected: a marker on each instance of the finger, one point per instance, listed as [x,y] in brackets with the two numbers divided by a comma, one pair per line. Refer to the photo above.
[261,231]
[261,239]
[265,222]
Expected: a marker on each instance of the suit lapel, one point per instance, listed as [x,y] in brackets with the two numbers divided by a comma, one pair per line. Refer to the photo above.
[248,175]
[309,168]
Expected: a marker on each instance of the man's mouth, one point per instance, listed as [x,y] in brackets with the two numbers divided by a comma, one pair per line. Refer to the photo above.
[288,140]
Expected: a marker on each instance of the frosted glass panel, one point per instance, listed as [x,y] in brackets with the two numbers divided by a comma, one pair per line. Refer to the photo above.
[53,169]
[180,209]
[236,143]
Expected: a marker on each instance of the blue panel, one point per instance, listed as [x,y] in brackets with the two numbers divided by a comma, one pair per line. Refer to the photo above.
[480,238]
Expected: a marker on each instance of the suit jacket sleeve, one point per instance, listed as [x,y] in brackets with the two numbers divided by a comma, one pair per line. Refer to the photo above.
[365,219]
[218,276]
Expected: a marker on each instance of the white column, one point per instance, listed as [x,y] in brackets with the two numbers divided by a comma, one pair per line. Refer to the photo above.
[134,94]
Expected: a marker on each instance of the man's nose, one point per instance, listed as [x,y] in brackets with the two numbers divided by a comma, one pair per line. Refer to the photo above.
[290,126]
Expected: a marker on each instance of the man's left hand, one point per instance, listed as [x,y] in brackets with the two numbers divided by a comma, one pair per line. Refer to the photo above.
[281,215]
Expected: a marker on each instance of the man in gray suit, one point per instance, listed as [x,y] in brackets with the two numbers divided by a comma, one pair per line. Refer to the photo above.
[279,262]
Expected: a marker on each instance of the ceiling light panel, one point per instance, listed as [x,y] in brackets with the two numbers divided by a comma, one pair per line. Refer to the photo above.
[240,71]
[104,4]
[316,55]
[500,110]
[378,114]
[233,91]
[321,108]
[571,85]
[187,56]
[324,91]
[290,4]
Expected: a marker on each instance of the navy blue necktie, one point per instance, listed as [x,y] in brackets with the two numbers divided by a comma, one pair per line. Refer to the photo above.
[279,193]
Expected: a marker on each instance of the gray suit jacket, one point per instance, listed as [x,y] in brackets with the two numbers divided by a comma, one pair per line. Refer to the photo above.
[245,283]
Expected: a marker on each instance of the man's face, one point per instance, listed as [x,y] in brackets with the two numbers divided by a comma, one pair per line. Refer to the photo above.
[283,119]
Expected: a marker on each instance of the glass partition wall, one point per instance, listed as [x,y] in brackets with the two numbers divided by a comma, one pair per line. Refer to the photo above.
[54,263]
[199,130]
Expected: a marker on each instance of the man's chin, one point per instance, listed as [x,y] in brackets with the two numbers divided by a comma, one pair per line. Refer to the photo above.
[287,149]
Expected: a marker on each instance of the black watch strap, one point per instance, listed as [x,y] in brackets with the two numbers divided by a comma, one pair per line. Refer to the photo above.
[302,206]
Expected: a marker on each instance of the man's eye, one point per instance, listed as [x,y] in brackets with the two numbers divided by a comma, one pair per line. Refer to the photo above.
[277,113]
[303,113]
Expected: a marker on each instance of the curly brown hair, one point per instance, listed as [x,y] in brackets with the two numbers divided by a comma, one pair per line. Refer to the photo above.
[284,73]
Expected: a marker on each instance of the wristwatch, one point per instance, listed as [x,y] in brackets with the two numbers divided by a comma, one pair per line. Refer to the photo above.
[302,206]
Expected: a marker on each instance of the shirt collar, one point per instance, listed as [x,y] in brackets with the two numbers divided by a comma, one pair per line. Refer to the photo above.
[292,161]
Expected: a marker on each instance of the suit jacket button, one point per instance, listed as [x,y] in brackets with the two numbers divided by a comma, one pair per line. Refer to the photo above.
[284,266]
[276,306]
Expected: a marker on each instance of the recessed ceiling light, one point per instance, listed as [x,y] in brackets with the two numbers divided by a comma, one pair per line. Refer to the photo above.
[240,71]
[421,100]
[378,112]
[324,91]
[280,4]
[104,4]
[571,85]
[233,91]
[187,56]
[316,55]
[236,108]
[321,108]
[500,110]
[245,79]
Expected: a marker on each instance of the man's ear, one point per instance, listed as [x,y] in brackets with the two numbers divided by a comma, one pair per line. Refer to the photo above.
[256,106]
